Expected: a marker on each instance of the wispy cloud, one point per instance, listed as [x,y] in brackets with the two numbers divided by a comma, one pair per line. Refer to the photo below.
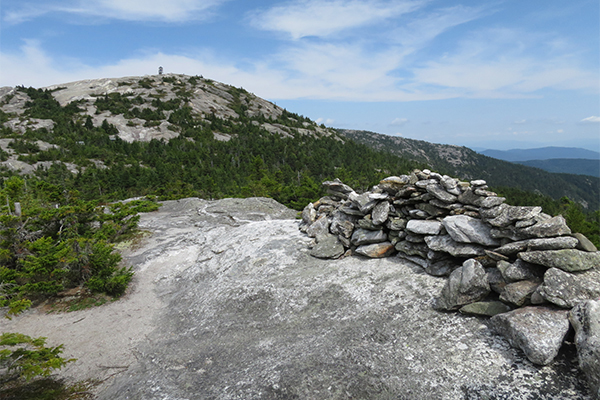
[326,17]
[591,120]
[128,10]
[399,122]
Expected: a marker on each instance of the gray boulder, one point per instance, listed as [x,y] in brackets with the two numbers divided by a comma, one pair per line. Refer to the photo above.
[376,250]
[585,318]
[466,284]
[364,236]
[328,246]
[538,331]
[424,227]
[446,244]
[466,229]
[569,289]
[570,260]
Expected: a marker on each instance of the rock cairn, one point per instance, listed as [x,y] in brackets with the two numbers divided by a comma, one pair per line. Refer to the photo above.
[517,265]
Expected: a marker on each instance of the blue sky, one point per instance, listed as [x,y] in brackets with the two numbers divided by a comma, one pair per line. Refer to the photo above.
[490,74]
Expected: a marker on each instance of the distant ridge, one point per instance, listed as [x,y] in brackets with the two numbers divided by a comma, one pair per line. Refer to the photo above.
[543,153]
[579,166]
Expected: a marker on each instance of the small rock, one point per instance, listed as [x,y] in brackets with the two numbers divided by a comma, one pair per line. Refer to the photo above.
[519,293]
[485,308]
[428,227]
[446,244]
[412,249]
[439,193]
[376,250]
[364,236]
[538,331]
[464,229]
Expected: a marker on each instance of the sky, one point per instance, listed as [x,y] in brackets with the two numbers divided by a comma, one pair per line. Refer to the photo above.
[493,74]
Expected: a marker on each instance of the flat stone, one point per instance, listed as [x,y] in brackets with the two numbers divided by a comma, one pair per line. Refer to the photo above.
[351,211]
[584,243]
[338,188]
[570,260]
[309,214]
[380,213]
[376,250]
[412,249]
[364,236]
[396,224]
[485,308]
[446,244]
[328,246]
[437,191]
[466,284]
[431,209]
[519,293]
[367,223]
[442,267]
[557,243]
[555,226]
[509,214]
[569,289]
[427,227]
[585,318]
[465,229]
[538,331]
[392,184]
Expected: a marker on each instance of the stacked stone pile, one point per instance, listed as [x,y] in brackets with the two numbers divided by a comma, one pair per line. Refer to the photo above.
[518,265]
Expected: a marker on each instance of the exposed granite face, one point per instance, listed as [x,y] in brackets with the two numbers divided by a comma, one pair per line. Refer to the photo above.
[251,314]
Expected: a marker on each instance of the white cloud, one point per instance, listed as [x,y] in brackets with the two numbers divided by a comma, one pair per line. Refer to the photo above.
[326,121]
[325,17]
[128,10]
[591,120]
[497,63]
[399,122]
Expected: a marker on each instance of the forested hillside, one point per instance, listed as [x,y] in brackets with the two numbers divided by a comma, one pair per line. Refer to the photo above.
[210,155]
